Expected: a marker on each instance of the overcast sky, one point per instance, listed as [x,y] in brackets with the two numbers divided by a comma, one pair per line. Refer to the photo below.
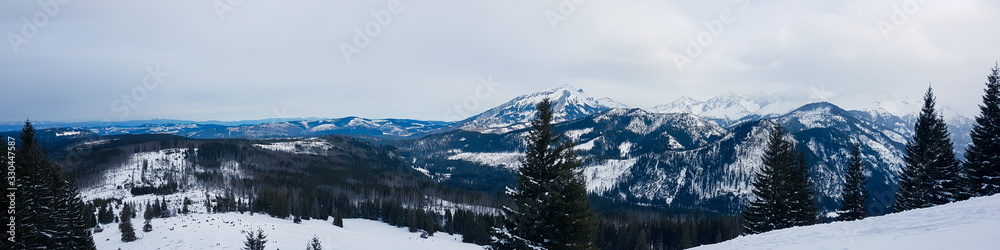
[235,60]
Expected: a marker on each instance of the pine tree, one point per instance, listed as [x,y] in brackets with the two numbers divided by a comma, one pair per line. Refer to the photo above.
[784,194]
[983,155]
[255,242]
[51,213]
[148,213]
[760,215]
[105,216]
[185,206]
[90,216]
[449,222]
[338,220]
[314,244]
[801,197]
[855,192]
[551,198]
[932,175]
[147,227]
[134,212]
[125,226]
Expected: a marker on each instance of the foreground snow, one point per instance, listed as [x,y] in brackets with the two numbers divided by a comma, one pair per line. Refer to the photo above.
[223,231]
[966,225]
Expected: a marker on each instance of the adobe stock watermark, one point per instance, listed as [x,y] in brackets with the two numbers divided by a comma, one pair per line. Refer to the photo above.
[31,26]
[565,10]
[899,17]
[714,28]
[129,101]
[11,178]
[364,35]
[222,7]
[471,103]
[821,93]
[282,113]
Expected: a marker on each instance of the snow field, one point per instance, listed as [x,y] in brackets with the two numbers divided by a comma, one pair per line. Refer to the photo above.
[966,225]
[224,231]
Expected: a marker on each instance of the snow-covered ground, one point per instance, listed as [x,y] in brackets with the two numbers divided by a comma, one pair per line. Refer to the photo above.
[500,159]
[308,146]
[604,176]
[223,231]
[965,225]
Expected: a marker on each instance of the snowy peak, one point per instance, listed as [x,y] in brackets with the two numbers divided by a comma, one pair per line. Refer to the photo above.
[731,108]
[684,104]
[569,103]
[607,102]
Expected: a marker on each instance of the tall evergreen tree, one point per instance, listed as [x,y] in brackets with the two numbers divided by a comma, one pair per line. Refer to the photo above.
[799,188]
[551,210]
[449,222]
[147,213]
[125,226]
[784,195]
[983,155]
[932,175]
[255,241]
[51,213]
[338,220]
[855,192]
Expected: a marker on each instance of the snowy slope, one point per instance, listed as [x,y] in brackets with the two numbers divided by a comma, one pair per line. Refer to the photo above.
[964,225]
[153,169]
[569,103]
[224,231]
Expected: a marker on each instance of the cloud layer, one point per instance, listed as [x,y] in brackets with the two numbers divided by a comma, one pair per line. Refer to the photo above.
[233,60]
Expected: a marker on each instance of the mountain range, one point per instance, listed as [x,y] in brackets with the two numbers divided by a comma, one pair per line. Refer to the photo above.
[687,154]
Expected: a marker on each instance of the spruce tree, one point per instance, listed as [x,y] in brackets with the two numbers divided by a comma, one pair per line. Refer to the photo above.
[761,214]
[314,244]
[932,175]
[90,217]
[551,210]
[255,242]
[51,213]
[125,226]
[782,189]
[855,192]
[449,222]
[338,220]
[799,188]
[147,214]
[983,155]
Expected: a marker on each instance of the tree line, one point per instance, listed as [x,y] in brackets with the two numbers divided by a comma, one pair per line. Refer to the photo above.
[932,175]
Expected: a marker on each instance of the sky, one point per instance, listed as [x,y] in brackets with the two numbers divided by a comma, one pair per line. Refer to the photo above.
[230,60]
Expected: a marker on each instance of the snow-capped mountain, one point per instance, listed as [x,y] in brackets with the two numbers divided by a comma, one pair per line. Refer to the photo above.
[907,111]
[678,159]
[569,103]
[730,108]
[896,114]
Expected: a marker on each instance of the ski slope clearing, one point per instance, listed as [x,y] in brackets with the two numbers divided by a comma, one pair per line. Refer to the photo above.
[223,231]
[965,225]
